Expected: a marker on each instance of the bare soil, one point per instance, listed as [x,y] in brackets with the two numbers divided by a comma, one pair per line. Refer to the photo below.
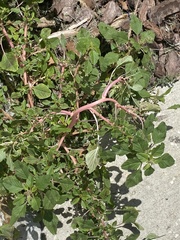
[160,16]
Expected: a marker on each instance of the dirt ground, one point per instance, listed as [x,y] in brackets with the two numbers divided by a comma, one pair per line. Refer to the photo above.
[160,16]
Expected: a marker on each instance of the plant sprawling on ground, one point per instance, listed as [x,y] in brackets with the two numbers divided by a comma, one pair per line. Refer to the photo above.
[58,105]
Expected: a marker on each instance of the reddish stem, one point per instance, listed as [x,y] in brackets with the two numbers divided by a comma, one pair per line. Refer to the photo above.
[6,35]
[75,114]
[106,90]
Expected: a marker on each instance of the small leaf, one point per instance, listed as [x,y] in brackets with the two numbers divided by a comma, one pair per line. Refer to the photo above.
[137,87]
[87,66]
[21,170]
[7,231]
[175,106]
[159,133]
[35,203]
[19,200]
[134,178]
[136,24]
[10,162]
[144,94]
[130,216]
[92,160]
[12,184]
[149,171]
[43,181]
[2,155]
[140,144]
[17,212]
[78,236]
[50,220]
[147,107]
[66,184]
[50,199]
[94,56]
[143,157]
[166,160]
[158,150]
[9,62]
[131,164]
[147,37]
[153,236]
[133,236]
[45,32]
[124,60]
[42,91]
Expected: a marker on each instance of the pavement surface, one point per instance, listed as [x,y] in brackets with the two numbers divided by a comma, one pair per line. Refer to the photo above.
[157,197]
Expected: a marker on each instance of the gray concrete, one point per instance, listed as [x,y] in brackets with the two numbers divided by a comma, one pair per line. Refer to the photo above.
[157,197]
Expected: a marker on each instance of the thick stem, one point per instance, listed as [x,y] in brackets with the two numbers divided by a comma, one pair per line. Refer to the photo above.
[119,79]
[75,114]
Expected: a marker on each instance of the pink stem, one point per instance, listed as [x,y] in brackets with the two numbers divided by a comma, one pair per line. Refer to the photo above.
[99,115]
[75,114]
[119,79]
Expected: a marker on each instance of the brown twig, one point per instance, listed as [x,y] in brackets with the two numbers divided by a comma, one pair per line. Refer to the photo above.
[72,157]
[6,35]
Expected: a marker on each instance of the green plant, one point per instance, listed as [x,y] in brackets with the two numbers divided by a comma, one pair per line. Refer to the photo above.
[57,105]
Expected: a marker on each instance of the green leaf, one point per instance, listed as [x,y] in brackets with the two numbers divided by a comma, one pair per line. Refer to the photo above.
[42,182]
[153,236]
[159,133]
[143,157]
[144,94]
[149,170]
[42,91]
[136,24]
[10,162]
[9,62]
[82,224]
[137,87]
[124,60]
[66,184]
[35,203]
[158,150]
[94,57]
[130,216]
[7,231]
[12,184]
[147,37]
[50,199]
[2,155]
[166,160]
[175,106]
[78,236]
[131,164]
[21,170]
[111,57]
[133,236]
[134,178]
[139,144]
[17,212]
[87,66]
[109,33]
[19,200]
[50,220]
[92,160]
[147,107]
[45,32]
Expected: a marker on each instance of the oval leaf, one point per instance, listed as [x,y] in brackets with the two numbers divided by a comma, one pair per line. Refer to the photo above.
[134,178]
[9,62]
[42,91]
[92,160]
[165,161]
